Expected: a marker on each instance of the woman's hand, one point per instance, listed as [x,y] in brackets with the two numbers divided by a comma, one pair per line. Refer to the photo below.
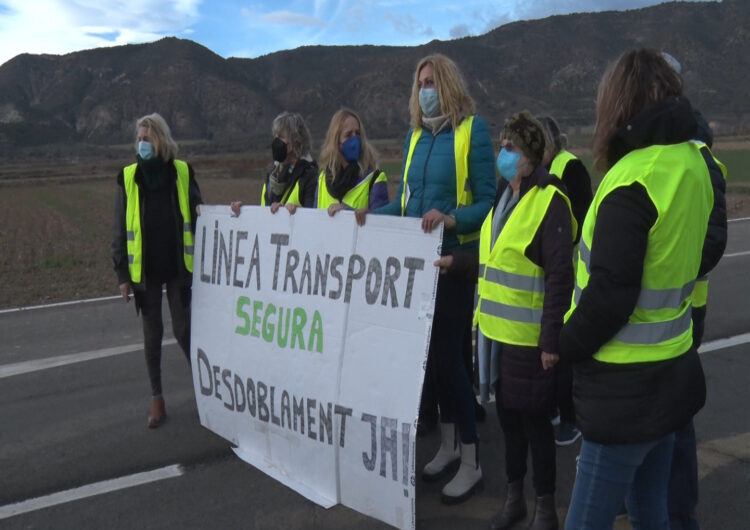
[549,360]
[335,207]
[444,263]
[275,207]
[291,208]
[433,218]
[360,215]
[235,206]
[125,291]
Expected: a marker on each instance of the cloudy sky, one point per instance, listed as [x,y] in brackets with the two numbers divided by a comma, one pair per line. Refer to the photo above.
[249,28]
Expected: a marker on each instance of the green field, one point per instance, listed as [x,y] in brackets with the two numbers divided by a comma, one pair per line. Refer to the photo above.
[56,220]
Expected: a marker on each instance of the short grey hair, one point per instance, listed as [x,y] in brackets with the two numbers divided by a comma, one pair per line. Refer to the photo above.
[293,126]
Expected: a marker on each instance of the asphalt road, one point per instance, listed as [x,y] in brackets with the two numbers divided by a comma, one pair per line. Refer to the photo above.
[84,424]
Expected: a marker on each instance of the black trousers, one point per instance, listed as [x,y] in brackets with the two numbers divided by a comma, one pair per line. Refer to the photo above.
[445,360]
[522,431]
[178,298]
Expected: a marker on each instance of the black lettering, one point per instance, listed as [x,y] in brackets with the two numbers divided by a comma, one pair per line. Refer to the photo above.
[285,410]
[226,376]
[374,270]
[216,382]
[292,260]
[274,418]
[225,255]
[392,272]
[279,240]
[310,418]
[335,264]
[238,260]
[343,412]
[205,278]
[203,361]
[369,460]
[254,266]
[412,264]
[325,417]
[239,392]
[298,411]
[388,444]
[321,275]
[351,275]
[251,400]
[263,414]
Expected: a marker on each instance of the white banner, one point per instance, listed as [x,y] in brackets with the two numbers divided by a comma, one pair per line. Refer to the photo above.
[309,341]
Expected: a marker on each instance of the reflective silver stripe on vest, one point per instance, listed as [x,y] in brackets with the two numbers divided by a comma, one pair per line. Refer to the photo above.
[131,259]
[189,250]
[186,227]
[481,271]
[585,254]
[654,332]
[509,312]
[576,294]
[131,235]
[664,298]
[514,281]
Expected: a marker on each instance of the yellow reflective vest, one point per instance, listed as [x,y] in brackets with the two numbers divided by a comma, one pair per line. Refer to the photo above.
[700,292]
[355,198]
[461,144]
[676,180]
[133,227]
[557,168]
[290,196]
[511,286]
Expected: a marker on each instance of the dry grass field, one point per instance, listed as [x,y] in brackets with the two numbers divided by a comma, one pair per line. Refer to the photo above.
[55,219]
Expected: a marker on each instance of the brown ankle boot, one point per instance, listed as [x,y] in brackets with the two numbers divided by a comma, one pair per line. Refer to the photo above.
[158,413]
[545,515]
[513,510]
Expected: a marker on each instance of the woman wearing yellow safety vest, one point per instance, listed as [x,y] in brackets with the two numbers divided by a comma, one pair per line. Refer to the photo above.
[350,178]
[154,227]
[291,182]
[525,282]
[449,178]
[570,170]
[637,376]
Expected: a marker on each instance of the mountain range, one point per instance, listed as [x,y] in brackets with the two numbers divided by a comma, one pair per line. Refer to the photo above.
[549,66]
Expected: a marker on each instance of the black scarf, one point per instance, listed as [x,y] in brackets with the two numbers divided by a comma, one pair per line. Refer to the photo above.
[345,181]
[155,172]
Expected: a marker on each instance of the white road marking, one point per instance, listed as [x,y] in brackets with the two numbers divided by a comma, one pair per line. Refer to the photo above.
[738,219]
[736,254]
[8,370]
[90,490]
[58,304]
[720,344]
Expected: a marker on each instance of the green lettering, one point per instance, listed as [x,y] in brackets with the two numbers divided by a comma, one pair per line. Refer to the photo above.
[281,341]
[268,327]
[316,333]
[243,330]
[257,306]
[300,319]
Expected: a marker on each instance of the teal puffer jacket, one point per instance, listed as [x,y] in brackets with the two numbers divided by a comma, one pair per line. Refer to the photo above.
[432,181]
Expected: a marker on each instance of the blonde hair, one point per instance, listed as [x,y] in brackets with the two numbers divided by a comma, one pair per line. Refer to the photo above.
[331,159]
[455,101]
[293,126]
[159,135]
[638,79]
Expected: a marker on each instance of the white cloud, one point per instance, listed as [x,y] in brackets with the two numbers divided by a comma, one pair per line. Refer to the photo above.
[63,26]
[288,18]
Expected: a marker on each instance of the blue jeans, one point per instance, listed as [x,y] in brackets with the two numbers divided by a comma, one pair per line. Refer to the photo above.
[683,481]
[610,474]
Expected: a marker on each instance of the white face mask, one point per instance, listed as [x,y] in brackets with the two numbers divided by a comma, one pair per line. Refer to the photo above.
[429,102]
[145,150]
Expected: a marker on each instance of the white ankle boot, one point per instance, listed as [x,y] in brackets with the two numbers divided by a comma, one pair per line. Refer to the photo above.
[468,479]
[446,455]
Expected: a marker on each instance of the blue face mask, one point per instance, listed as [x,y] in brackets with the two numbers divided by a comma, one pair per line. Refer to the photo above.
[145,150]
[507,162]
[351,149]
[429,102]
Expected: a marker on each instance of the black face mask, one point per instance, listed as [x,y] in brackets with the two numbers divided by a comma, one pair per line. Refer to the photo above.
[278,150]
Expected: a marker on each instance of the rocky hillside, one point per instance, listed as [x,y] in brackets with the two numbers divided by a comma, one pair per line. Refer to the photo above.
[548,66]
